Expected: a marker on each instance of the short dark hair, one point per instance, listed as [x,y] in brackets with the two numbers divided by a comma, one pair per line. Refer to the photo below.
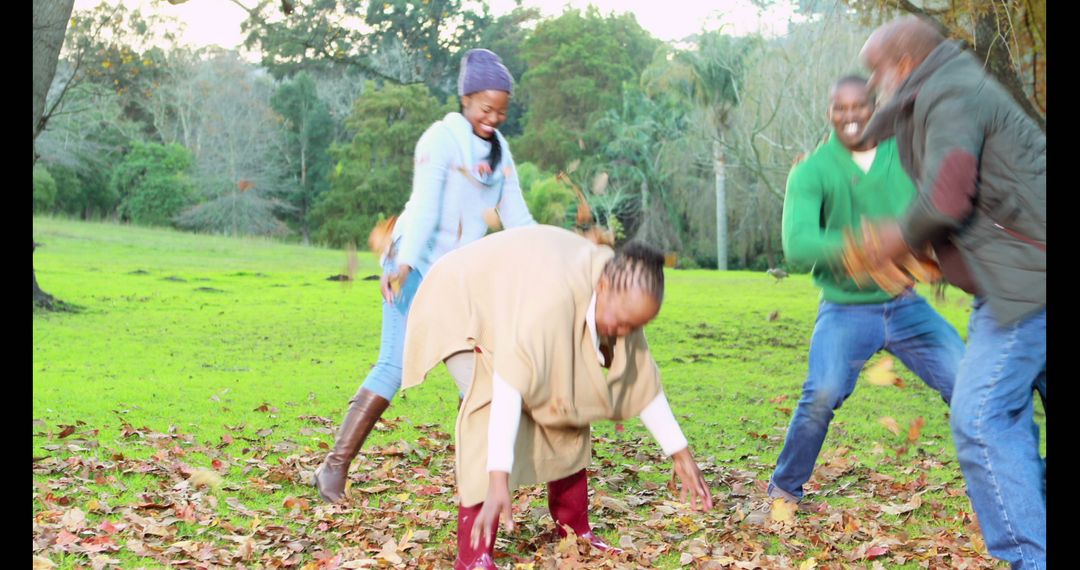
[637,264]
[853,79]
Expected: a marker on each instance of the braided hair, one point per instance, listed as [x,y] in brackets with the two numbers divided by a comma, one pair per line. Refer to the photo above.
[496,152]
[637,265]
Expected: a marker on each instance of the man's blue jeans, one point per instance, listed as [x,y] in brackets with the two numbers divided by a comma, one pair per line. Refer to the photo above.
[996,437]
[385,377]
[845,337]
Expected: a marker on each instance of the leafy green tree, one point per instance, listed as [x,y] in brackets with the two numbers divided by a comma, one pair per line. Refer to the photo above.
[552,201]
[402,41]
[372,179]
[243,212]
[528,174]
[44,189]
[635,140]
[81,146]
[219,107]
[577,65]
[308,133]
[711,77]
[82,192]
[153,184]
[121,49]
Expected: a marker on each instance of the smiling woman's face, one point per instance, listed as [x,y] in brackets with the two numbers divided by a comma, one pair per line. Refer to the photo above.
[485,111]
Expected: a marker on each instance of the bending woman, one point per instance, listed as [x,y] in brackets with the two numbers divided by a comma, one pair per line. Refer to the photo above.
[543,347]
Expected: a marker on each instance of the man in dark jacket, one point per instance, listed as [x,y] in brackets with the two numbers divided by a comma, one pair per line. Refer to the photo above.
[980,166]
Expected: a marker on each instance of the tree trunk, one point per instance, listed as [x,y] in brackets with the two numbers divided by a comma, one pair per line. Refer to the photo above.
[304,191]
[769,255]
[991,47]
[50,24]
[721,208]
[41,298]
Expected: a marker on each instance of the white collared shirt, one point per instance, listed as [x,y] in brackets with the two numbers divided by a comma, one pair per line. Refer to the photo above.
[505,415]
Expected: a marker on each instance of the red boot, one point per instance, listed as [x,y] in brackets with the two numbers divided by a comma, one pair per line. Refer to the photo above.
[568,501]
[470,558]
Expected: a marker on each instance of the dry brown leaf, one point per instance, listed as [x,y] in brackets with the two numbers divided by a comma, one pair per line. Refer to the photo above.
[351,262]
[491,218]
[922,269]
[615,504]
[296,503]
[890,424]
[599,183]
[395,284]
[41,563]
[568,544]
[808,564]
[881,373]
[915,429]
[907,507]
[783,510]
[73,520]
[584,213]
[573,165]
[382,235]
[100,562]
[600,236]
[360,563]
[389,552]
[205,478]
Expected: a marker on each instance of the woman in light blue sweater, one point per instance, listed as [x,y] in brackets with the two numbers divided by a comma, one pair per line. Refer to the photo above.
[463,170]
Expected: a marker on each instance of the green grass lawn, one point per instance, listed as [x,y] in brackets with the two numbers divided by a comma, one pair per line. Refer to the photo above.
[194,356]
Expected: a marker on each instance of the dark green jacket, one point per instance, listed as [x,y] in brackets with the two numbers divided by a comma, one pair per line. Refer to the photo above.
[827,193]
[980,165]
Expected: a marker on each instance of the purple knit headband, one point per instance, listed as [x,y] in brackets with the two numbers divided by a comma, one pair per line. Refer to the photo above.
[481,70]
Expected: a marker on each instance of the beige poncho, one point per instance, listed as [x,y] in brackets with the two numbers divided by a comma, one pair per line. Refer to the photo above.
[521,296]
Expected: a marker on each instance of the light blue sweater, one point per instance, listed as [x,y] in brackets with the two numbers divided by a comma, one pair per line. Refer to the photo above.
[445,209]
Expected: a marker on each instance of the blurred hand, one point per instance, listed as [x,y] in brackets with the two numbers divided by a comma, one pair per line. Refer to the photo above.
[693,485]
[496,504]
[881,256]
[883,243]
[391,283]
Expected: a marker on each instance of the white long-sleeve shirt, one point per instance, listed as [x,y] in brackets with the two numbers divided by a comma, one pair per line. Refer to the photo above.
[505,417]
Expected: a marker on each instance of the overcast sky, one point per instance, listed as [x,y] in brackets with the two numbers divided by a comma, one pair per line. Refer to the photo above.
[217,22]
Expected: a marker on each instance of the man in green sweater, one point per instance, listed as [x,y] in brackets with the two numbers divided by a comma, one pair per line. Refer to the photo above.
[839,184]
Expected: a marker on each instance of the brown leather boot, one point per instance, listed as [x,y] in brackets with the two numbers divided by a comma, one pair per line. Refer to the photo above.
[365,408]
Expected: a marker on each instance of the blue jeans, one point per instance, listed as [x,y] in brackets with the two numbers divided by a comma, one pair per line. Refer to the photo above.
[845,337]
[385,377]
[997,440]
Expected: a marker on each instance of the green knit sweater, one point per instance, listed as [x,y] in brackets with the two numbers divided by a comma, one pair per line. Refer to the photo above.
[828,192]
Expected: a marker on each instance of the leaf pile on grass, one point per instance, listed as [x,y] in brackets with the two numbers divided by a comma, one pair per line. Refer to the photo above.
[100,508]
